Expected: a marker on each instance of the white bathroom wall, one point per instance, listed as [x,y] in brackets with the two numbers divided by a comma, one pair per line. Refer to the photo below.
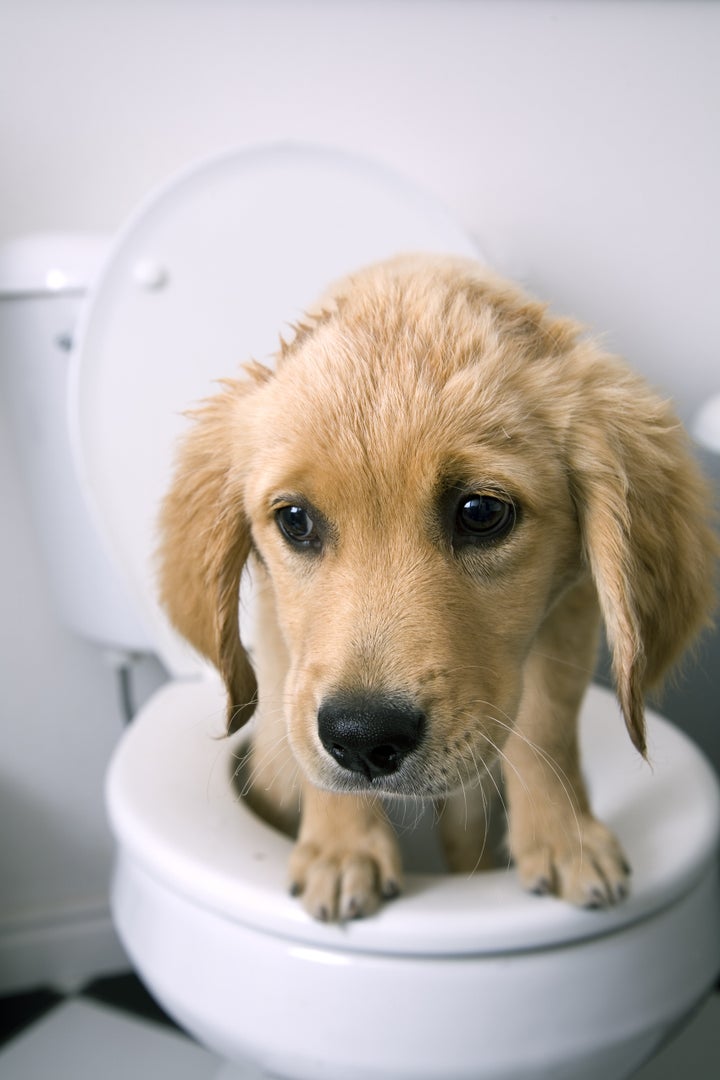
[578,139]
[58,723]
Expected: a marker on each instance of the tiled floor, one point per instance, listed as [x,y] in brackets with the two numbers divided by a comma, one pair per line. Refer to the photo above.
[111,1031]
[114,1031]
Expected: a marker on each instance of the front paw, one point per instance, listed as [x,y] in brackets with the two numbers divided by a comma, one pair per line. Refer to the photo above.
[341,878]
[585,866]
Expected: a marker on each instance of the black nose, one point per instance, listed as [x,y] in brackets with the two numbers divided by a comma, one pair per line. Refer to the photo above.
[370,735]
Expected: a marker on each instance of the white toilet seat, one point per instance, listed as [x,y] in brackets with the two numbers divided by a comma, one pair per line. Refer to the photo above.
[174,810]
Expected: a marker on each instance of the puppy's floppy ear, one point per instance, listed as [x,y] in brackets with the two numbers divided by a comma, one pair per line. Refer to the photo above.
[645,514]
[205,542]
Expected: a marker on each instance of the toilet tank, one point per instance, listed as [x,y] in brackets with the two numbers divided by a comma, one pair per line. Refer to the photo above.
[43,282]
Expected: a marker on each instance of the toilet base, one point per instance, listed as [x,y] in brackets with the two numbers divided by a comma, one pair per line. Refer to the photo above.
[637,1050]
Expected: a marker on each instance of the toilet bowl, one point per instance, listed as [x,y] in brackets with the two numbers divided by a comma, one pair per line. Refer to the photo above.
[460,977]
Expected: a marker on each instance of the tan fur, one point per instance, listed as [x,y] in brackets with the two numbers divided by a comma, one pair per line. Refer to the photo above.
[415,379]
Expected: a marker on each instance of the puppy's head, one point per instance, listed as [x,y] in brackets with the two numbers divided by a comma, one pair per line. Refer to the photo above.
[434,463]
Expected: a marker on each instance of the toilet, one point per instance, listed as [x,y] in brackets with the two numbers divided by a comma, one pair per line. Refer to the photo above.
[460,978]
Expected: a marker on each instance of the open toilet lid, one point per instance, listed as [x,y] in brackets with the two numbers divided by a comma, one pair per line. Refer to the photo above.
[205,276]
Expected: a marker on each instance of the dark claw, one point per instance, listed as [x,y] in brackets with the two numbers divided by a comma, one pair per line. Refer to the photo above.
[352,909]
[391,890]
[596,901]
[541,887]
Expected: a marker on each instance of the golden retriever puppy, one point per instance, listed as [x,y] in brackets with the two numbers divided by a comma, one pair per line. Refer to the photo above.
[440,490]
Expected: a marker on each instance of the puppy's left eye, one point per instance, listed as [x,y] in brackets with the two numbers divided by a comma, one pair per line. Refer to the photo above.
[297,526]
[484,517]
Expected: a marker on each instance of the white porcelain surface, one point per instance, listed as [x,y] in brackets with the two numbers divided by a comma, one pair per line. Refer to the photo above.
[706,428]
[206,275]
[459,977]
[43,279]
[595,1010]
[50,263]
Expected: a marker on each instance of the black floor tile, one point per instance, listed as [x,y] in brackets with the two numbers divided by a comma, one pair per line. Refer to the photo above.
[127,993]
[18,1011]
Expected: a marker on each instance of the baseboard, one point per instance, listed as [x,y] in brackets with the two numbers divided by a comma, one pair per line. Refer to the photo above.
[63,949]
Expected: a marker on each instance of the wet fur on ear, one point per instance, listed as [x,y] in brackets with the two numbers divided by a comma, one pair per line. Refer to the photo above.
[205,541]
[645,513]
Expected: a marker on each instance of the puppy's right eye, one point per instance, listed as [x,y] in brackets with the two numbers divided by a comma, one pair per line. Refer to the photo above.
[483,518]
[297,527]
